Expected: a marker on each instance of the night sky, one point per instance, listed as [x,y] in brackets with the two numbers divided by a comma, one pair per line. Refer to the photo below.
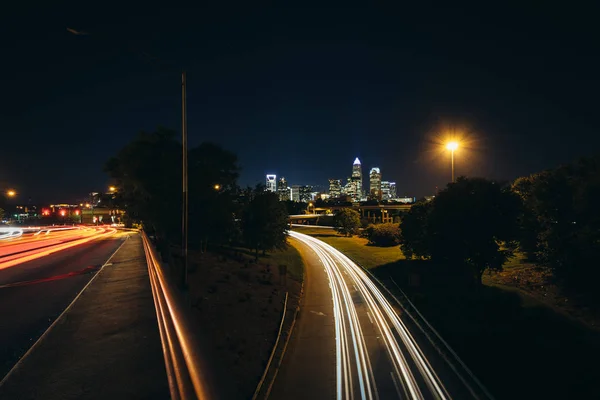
[299,92]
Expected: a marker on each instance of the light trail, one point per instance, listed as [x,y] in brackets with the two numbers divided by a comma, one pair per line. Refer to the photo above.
[417,378]
[41,246]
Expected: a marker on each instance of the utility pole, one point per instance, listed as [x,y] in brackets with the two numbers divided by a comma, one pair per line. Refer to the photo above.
[184,208]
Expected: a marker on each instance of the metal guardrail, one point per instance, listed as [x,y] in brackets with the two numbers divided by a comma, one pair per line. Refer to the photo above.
[264,375]
[186,372]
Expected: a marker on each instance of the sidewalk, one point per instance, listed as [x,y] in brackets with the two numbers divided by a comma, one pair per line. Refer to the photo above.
[106,346]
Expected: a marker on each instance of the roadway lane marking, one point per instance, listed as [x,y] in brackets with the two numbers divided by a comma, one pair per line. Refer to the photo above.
[318,313]
[369,315]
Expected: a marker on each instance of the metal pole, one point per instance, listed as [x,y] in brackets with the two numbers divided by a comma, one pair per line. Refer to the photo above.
[184,209]
[452,166]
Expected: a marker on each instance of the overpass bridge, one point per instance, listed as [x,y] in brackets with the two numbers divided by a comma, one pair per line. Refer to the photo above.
[373,213]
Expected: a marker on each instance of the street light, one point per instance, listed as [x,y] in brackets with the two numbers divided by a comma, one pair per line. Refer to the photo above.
[11,193]
[217,187]
[452,146]
[112,189]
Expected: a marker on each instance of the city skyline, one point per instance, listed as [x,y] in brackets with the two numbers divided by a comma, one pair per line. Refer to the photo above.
[375,188]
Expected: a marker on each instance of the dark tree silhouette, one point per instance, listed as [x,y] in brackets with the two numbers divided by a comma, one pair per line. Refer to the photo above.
[471,226]
[264,223]
[347,221]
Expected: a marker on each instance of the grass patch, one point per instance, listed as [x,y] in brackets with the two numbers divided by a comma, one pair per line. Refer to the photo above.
[290,257]
[356,248]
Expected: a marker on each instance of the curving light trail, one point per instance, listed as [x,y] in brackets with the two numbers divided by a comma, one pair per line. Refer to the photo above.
[417,378]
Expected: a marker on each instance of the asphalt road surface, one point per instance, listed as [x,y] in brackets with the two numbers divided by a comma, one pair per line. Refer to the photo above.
[353,341]
[34,292]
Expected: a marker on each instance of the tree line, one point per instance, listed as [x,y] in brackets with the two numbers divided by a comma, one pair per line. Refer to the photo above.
[148,178]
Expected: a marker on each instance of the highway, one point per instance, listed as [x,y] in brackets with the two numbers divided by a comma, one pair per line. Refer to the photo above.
[380,349]
[40,275]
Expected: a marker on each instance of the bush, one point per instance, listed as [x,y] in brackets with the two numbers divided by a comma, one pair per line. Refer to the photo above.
[347,222]
[383,235]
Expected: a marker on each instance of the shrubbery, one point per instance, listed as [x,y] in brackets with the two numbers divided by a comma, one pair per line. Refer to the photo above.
[383,235]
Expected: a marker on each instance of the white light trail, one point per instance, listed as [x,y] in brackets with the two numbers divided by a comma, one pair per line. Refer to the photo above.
[344,274]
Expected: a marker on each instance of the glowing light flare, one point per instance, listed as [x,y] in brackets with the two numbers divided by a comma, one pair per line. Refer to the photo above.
[452,146]
[11,193]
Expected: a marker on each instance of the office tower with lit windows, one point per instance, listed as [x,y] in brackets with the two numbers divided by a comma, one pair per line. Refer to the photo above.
[375,184]
[335,188]
[385,190]
[271,183]
[295,192]
[393,194]
[305,193]
[356,180]
[283,190]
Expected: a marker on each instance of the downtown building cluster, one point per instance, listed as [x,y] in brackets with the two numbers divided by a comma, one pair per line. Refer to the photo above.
[376,189]
[353,190]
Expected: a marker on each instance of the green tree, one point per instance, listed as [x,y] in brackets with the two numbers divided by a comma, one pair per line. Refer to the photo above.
[384,235]
[213,172]
[347,221]
[413,230]
[294,207]
[563,205]
[472,226]
[147,172]
[264,223]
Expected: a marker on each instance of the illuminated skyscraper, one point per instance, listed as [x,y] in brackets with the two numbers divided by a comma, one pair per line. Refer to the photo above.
[283,190]
[393,194]
[356,180]
[375,183]
[272,183]
[335,188]
[385,190]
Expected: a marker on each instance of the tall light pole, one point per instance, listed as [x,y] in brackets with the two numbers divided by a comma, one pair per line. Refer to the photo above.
[452,146]
[184,208]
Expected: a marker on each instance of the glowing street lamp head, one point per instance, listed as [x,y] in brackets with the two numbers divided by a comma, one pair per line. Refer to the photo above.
[452,146]
[11,193]
[112,188]
[217,186]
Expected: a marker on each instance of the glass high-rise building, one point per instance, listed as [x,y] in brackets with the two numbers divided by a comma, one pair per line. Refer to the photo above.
[295,192]
[283,190]
[271,183]
[357,178]
[385,190]
[375,183]
[335,188]
[393,194]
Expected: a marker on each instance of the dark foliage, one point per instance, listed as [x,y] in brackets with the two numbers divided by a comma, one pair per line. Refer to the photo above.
[471,226]
[347,221]
[383,235]
[264,223]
